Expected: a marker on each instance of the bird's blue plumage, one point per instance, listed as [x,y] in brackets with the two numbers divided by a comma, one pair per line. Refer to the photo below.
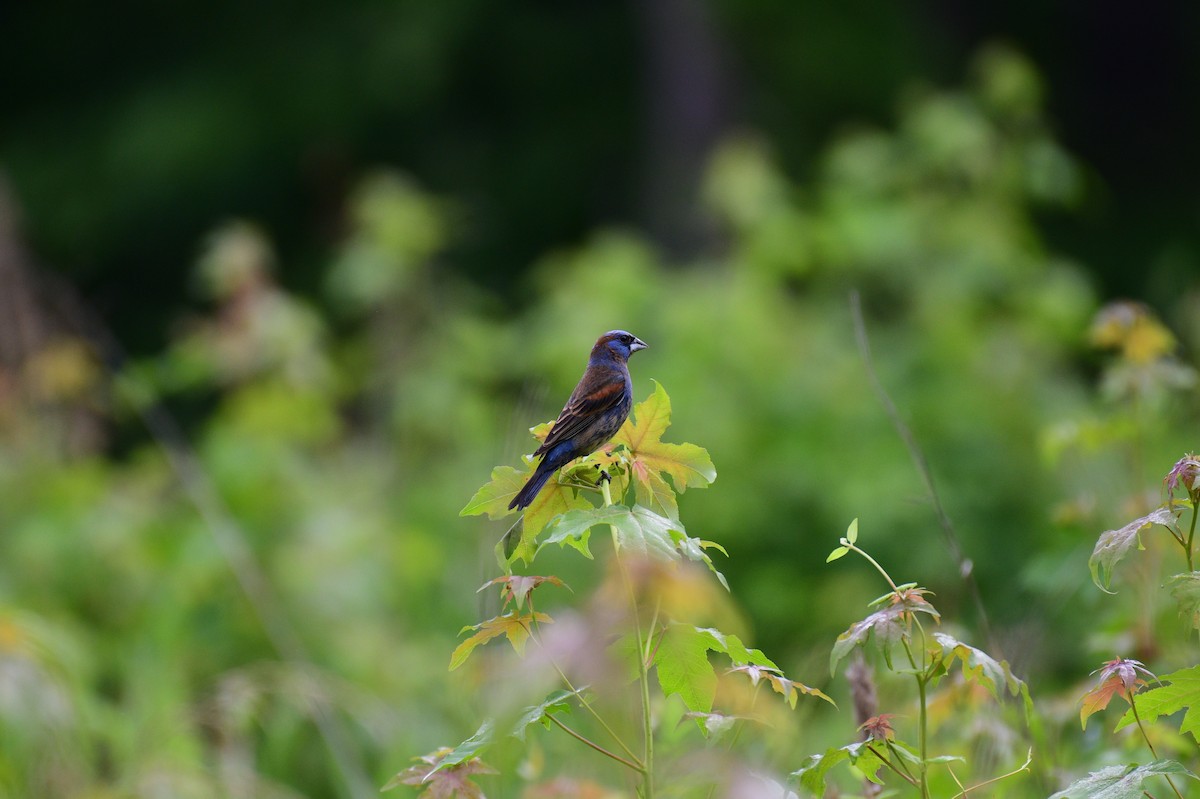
[597,408]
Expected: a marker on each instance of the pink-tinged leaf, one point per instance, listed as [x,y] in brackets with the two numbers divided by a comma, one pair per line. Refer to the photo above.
[516,588]
[1117,678]
[887,625]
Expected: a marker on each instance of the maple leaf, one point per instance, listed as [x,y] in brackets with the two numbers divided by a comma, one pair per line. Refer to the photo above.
[981,668]
[541,713]
[514,625]
[516,588]
[652,460]
[446,773]
[1117,678]
[638,529]
[555,498]
[452,782]
[683,667]
[1120,782]
[879,728]
[888,625]
[858,754]
[790,690]
[1177,691]
[1113,545]
[1185,588]
[713,725]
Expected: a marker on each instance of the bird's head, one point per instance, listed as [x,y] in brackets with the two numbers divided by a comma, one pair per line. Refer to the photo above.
[618,343]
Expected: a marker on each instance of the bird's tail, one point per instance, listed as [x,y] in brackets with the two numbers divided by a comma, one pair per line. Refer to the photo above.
[531,488]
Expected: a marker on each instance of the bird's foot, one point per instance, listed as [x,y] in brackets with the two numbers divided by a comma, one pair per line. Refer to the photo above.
[604,477]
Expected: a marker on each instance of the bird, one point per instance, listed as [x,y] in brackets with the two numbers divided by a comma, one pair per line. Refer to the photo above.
[597,408]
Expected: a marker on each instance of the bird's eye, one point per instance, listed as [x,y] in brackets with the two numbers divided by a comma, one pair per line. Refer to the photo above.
[627,339]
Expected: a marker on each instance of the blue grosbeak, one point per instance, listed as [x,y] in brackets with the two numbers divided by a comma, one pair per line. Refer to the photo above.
[598,407]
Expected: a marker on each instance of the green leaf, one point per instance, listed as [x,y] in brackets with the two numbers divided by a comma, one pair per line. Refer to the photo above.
[494,498]
[731,645]
[638,530]
[452,782]
[686,464]
[469,748]
[852,532]
[1113,545]
[1120,782]
[683,668]
[714,725]
[812,775]
[514,625]
[981,668]
[840,552]
[1185,588]
[556,702]
[1177,691]
[651,490]
[887,625]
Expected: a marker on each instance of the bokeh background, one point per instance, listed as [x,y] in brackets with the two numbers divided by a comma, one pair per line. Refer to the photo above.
[280,283]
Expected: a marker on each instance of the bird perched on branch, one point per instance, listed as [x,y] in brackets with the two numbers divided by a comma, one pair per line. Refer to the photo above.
[598,407]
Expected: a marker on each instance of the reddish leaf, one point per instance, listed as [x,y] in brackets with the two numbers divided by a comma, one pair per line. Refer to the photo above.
[448,782]
[516,587]
[1117,678]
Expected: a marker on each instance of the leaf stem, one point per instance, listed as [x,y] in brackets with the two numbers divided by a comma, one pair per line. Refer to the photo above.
[890,765]
[844,542]
[1023,767]
[589,742]
[578,692]
[1138,718]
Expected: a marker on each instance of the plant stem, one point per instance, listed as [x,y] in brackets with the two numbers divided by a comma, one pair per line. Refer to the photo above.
[1187,550]
[1023,767]
[644,679]
[923,737]
[647,791]
[890,765]
[589,742]
[872,561]
[1137,717]
[578,692]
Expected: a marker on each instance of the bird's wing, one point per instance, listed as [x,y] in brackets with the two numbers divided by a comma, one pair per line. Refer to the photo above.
[595,394]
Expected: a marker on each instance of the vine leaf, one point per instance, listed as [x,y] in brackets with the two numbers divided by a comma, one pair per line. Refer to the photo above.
[1113,545]
[981,668]
[555,498]
[651,459]
[1120,782]
[514,625]
[1177,691]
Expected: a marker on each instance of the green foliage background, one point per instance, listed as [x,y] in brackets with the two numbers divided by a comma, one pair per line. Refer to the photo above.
[340,439]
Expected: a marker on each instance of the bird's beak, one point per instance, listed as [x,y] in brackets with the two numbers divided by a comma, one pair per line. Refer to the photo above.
[637,344]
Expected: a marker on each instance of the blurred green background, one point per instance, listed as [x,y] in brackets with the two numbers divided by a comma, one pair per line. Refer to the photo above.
[282,282]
